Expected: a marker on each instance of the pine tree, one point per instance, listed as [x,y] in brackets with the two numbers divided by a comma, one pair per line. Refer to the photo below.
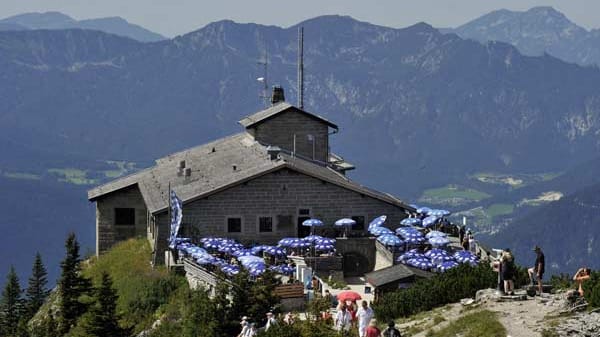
[72,285]
[36,292]
[102,319]
[11,305]
[199,317]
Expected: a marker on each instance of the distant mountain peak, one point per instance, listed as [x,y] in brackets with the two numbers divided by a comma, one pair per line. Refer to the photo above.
[57,20]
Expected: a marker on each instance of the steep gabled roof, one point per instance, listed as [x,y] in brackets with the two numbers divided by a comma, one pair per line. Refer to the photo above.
[395,273]
[276,109]
[219,165]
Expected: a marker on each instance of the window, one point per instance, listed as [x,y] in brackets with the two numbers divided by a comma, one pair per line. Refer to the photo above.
[360,223]
[234,225]
[304,211]
[125,216]
[265,224]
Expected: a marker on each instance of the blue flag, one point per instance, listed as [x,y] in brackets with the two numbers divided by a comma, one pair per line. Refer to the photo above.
[176,215]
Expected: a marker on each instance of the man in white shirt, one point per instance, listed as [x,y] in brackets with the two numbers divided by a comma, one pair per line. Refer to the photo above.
[364,315]
[270,321]
[343,319]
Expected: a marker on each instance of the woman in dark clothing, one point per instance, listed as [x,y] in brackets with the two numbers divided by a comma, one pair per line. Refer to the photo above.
[508,271]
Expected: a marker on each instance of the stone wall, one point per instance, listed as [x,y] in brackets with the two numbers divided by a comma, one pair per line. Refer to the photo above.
[354,251]
[107,233]
[280,131]
[278,194]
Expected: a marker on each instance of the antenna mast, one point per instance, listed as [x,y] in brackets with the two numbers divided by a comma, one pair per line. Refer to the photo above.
[301,67]
[265,90]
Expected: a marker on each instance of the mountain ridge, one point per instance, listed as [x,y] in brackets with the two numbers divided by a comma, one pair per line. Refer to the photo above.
[57,20]
[534,32]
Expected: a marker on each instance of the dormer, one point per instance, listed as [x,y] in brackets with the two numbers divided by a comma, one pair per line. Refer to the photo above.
[292,129]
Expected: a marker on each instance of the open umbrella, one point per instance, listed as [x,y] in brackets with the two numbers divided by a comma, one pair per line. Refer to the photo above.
[348,295]
[438,241]
[421,263]
[325,241]
[242,252]
[380,231]
[324,247]
[390,240]
[435,233]
[423,210]
[411,254]
[275,251]
[312,238]
[430,220]
[346,223]
[439,212]
[414,240]
[286,242]
[410,222]
[405,231]
[377,222]
[436,252]
[444,266]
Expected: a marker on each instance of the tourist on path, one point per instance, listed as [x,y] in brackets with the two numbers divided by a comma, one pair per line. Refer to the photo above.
[582,275]
[537,271]
[364,315]
[245,326]
[271,321]
[508,271]
[342,319]
[251,332]
[372,330]
[391,331]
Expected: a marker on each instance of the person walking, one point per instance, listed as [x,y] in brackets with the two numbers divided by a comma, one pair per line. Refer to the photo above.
[364,315]
[271,321]
[391,330]
[537,271]
[342,319]
[508,271]
[372,329]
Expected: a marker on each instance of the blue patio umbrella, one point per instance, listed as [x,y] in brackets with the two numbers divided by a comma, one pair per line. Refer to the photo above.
[312,238]
[435,233]
[345,222]
[211,244]
[205,259]
[230,269]
[410,222]
[430,220]
[312,223]
[324,247]
[300,244]
[286,270]
[325,241]
[244,260]
[407,231]
[242,252]
[444,266]
[436,252]
[439,212]
[380,231]
[465,256]
[414,240]
[285,242]
[411,254]
[257,249]
[438,259]
[438,241]
[390,240]
[228,249]
[377,222]
[423,210]
[421,263]
[275,251]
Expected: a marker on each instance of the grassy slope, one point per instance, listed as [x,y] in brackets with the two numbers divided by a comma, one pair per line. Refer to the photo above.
[477,324]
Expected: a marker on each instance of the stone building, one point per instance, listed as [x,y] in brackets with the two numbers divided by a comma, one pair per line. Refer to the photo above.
[255,186]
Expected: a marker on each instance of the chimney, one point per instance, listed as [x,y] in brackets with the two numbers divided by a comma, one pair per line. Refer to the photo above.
[273,152]
[277,96]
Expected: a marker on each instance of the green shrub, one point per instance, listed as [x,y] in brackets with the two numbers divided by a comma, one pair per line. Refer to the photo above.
[460,282]
[591,290]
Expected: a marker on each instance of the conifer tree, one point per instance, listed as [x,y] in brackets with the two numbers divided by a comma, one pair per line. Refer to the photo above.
[11,305]
[102,319]
[199,317]
[36,292]
[72,285]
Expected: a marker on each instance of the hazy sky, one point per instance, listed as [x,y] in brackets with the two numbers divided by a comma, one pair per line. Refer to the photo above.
[174,17]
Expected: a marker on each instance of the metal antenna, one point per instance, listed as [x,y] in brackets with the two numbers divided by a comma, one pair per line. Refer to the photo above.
[265,90]
[301,67]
